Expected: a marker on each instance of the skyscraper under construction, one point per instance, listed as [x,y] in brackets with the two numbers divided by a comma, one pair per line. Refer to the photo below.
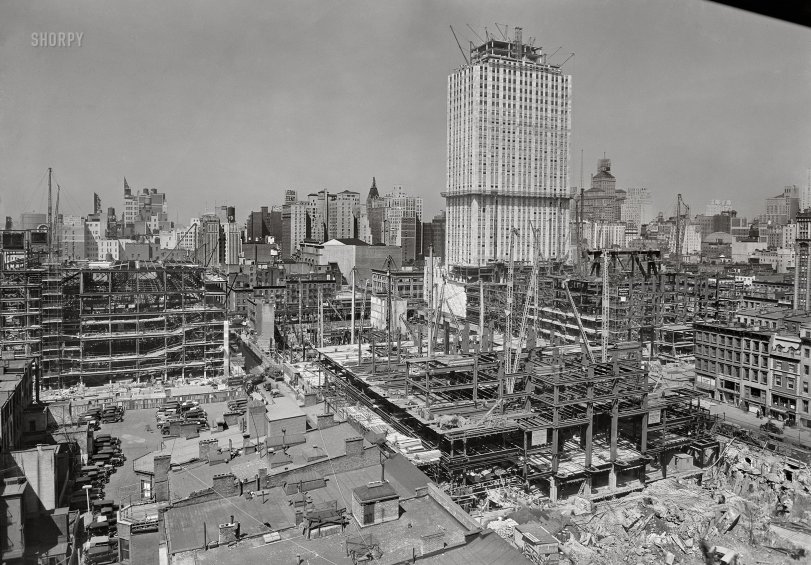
[509,123]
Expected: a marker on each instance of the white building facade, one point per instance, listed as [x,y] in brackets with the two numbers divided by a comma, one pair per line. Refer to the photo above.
[637,208]
[509,125]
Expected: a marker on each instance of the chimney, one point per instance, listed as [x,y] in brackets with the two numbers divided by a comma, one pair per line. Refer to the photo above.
[432,542]
[175,428]
[228,532]
[262,479]
[161,465]
[225,484]
[207,446]
[310,399]
[354,446]
[248,446]
[326,421]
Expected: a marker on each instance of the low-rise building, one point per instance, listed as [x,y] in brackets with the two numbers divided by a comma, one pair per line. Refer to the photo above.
[762,364]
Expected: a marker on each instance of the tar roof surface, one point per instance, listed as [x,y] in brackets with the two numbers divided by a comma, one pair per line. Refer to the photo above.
[184,524]
[186,450]
[398,539]
[283,408]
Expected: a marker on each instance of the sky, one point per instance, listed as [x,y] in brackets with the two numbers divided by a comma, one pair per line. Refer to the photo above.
[225,102]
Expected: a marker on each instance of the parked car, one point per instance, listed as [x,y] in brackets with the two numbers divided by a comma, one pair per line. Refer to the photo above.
[187,405]
[91,418]
[102,554]
[771,427]
[112,414]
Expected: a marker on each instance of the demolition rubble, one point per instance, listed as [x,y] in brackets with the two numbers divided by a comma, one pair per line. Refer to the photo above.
[751,506]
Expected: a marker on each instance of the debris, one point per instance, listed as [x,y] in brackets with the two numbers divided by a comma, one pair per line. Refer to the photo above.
[677,540]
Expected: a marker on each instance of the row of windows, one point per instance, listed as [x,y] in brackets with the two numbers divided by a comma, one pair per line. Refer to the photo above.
[729,355]
[729,341]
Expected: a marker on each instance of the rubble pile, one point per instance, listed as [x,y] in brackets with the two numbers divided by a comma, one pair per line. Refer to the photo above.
[504,527]
[752,506]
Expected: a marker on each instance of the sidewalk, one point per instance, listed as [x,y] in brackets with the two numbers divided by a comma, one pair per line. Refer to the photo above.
[748,420]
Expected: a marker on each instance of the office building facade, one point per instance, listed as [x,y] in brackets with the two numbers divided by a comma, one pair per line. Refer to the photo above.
[509,124]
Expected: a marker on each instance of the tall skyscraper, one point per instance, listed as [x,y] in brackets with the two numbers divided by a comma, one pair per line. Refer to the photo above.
[509,123]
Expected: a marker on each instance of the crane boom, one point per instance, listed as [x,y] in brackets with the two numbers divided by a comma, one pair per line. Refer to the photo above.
[606,311]
[362,311]
[583,335]
[179,241]
[408,328]
[532,291]
[462,51]
[435,321]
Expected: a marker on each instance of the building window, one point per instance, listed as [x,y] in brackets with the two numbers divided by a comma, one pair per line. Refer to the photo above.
[124,549]
[805,406]
[778,381]
[146,489]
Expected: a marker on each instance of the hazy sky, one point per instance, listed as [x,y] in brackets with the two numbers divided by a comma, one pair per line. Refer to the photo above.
[234,102]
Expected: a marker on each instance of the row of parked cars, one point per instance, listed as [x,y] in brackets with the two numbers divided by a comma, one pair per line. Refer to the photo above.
[106,457]
[176,411]
[101,546]
[98,415]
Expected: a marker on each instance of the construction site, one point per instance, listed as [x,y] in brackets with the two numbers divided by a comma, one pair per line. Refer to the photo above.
[532,395]
[565,413]
[139,321]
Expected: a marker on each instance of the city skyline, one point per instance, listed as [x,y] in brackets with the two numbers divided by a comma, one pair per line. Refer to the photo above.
[282,97]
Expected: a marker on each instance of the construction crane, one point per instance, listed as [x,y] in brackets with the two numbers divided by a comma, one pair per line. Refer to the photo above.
[680,227]
[606,307]
[508,332]
[462,51]
[532,291]
[583,336]
[409,329]
[362,311]
[179,241]
[436,318]
[320,316]
[456,323]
